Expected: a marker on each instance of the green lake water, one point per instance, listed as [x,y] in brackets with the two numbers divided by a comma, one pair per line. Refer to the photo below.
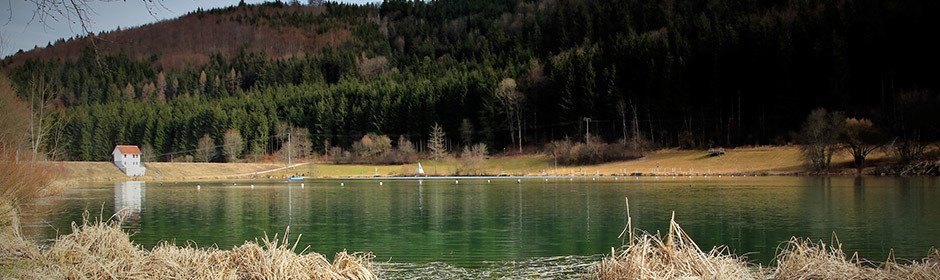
[501,227]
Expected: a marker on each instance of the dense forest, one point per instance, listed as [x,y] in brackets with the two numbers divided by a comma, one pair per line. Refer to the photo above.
[673,73]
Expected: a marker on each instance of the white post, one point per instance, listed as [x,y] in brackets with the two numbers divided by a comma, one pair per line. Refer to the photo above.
[587,131]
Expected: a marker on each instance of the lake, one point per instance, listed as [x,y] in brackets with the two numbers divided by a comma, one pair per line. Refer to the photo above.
[500,227]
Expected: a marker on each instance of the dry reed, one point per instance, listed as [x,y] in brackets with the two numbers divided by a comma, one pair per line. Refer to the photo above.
[678,257]
[101,250]
[803,258]
[647,256]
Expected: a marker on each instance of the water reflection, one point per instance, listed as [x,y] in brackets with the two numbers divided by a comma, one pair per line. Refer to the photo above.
[129,200]
[477,221]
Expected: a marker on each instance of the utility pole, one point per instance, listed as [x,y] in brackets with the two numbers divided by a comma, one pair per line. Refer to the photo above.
[587,130]
[288,148]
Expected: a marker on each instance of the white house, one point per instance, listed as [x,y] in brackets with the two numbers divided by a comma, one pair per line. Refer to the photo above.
[127,158]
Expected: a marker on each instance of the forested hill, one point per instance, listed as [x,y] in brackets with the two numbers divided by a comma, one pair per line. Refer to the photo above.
[672,72]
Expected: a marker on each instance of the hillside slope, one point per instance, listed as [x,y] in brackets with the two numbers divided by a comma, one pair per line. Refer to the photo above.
[685,73]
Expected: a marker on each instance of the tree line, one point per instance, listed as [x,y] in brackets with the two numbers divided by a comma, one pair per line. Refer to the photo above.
[662,73]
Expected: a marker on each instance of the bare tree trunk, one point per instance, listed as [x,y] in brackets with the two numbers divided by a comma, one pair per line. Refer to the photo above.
[519,129]
[636,124]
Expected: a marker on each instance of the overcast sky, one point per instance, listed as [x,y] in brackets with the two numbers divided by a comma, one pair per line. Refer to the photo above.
[21,31]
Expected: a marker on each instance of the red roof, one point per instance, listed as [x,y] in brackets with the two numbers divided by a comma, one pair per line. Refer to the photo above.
[129,149]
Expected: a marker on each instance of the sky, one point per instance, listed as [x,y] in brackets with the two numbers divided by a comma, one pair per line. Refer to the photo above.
[22,31]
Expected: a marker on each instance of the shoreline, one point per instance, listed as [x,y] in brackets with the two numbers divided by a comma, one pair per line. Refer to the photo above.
[743,162]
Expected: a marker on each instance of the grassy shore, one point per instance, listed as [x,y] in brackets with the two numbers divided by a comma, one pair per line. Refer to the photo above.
[778,160]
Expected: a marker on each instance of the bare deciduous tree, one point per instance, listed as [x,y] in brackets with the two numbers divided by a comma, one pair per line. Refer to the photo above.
[41,95]
[436,142]
[205,149]
[233,145]
[511,99]
[820,138]
[862,137]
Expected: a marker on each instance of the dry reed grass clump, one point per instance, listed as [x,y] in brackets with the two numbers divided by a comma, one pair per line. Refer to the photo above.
[101,250]
[649,257]
[678,257]
[805,259]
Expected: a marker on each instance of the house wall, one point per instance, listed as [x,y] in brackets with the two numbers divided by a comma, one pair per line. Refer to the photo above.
[130,164]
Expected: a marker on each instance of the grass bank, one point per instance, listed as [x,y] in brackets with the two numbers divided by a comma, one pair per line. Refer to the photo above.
[769,160]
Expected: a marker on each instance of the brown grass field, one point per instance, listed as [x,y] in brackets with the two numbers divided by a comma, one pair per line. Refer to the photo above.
[779,160]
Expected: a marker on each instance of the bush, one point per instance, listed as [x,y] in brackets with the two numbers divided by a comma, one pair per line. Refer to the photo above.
[376,149]
[472,160]
[372,146]
[595,151]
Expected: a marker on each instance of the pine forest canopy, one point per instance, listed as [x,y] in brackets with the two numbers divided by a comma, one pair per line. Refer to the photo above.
[677,73]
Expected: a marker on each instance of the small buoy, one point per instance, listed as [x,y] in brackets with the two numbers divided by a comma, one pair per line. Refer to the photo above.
[234,184]
[420,182]
[487,181]
[380,183]
[252,186]
[570,179]
[518,181]
[546,179]
[616,178]
[456,182]
[198,187]
[593,179]
[301,185]
[342,184]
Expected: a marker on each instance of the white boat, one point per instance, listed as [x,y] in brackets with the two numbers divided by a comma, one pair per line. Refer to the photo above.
[420,170]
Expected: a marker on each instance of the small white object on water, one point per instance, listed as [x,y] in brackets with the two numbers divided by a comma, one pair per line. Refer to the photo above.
[518,181]
[593,179]
[301,185]
[198,187]
[342,184]
[456,182]
[615,178]
[420,182]
[252,186]
[487,181]
[546,180]
[380,183]
[570,179]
